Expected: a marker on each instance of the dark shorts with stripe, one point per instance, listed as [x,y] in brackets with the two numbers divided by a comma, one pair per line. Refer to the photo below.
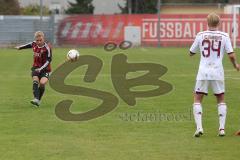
[40,74]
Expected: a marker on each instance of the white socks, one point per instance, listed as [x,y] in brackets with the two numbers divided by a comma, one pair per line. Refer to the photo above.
[222,112]
[197,112]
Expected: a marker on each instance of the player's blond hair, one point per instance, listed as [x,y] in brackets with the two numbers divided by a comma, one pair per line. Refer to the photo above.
[39,34]
[213,20]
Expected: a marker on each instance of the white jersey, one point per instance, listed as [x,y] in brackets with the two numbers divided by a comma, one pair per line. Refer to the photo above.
[212,46]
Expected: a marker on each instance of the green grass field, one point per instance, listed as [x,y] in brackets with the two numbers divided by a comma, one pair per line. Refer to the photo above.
[29,133]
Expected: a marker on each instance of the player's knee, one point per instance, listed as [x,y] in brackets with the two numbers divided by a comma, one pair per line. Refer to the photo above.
[35,78]
[43,81]
[198,98]
[220,98]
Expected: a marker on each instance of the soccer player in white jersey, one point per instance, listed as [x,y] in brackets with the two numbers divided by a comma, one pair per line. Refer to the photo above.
[212,45]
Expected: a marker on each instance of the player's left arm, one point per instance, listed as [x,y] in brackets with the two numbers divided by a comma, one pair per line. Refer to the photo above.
[233,59]
[48,61]
[231,54]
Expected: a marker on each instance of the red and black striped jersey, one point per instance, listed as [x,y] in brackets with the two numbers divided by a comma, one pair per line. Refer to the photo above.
[42,56]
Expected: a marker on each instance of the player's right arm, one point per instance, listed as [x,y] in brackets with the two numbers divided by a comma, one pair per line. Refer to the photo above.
[25,46]
[195,46]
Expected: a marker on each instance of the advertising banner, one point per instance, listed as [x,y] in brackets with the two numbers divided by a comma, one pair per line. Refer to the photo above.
[173,30]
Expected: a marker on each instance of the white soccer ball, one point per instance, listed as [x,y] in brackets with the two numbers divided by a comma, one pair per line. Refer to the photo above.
[73,55]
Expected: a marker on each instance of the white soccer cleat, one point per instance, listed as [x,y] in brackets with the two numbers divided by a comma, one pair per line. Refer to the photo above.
[221,133]
[198,133]
[35,102]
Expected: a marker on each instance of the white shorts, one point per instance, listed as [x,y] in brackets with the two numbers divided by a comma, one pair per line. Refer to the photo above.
[218,86]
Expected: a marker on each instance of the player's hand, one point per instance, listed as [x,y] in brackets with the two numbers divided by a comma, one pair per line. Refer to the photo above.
[38,70]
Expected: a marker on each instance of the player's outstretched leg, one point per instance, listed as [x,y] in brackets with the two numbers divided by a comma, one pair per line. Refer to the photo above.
[36,93]
[197,112]
[222,112]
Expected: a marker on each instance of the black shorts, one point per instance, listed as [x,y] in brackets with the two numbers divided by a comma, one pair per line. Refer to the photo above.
[40,74]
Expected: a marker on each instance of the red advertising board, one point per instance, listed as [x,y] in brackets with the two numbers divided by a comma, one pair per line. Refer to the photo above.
[174,30]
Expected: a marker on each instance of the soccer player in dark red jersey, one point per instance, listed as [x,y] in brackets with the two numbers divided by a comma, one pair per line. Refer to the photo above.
[41,68]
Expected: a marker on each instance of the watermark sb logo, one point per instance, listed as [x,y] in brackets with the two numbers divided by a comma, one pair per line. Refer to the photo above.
[120,67]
